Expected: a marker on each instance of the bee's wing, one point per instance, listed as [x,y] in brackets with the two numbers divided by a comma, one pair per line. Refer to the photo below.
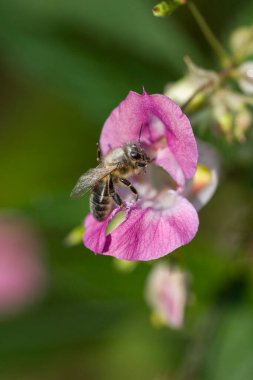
[89,179]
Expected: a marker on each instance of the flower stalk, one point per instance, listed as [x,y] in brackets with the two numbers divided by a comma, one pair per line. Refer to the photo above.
[208,34]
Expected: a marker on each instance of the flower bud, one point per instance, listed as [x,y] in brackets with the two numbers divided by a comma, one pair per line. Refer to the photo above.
[243,120]
[224,120]
[75,236]
[162,9]
[124,265]
[194,87]
[246,77]
[182,90]
[241,42]
[166,294]
[166,8]
[231,114]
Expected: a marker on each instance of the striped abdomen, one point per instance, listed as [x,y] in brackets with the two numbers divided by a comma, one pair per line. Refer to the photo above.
[100,200]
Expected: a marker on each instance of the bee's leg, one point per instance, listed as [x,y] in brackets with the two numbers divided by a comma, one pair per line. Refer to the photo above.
[115,196]
[99,154]
[131,187]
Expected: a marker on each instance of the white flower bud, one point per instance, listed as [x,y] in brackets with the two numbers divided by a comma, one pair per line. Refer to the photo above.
[182,90]
[231,114]
[196,85]
[243,120]
[246,77]
[241,42]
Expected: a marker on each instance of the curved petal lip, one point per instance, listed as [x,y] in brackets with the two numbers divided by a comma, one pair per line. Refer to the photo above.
[124,123]
[146,234]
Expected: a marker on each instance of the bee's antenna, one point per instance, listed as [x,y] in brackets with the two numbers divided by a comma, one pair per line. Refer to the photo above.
[139,139]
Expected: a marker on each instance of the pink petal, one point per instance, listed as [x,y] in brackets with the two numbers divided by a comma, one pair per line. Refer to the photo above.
[161,118]
[95,233]
[147,233]
[167,161]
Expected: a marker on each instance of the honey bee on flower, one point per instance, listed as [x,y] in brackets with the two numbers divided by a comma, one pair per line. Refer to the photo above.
[162,219]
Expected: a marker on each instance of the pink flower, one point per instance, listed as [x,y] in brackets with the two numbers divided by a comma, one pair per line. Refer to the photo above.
[163,219]
[166,294]
[22,274]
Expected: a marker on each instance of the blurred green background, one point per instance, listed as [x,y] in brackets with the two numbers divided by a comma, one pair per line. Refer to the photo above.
[64,65]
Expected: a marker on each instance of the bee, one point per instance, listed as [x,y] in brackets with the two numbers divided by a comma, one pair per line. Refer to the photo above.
[114,168]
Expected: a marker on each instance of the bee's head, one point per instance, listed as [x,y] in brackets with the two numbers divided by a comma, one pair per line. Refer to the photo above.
[137,155]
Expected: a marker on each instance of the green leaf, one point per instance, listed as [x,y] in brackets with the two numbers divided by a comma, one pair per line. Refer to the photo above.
[230,356]
[89,50]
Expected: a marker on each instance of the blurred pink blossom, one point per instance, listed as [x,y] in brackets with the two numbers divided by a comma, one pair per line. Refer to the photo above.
[166,294]
[22,273]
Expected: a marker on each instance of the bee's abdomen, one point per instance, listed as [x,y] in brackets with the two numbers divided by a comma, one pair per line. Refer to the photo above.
[100,201]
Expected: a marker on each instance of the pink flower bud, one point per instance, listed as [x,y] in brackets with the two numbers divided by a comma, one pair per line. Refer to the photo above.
[166,294]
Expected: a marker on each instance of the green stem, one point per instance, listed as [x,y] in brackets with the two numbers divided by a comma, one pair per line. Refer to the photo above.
[210,37]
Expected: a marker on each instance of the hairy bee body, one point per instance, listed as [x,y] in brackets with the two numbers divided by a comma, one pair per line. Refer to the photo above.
[119,158]
[100,200]
[113,168]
